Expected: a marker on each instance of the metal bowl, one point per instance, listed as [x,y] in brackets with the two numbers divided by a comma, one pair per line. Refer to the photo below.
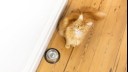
[52,55]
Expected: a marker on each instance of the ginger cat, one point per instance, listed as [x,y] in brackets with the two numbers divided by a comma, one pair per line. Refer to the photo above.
[77,24]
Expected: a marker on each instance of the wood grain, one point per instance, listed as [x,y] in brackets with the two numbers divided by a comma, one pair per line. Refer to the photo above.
[105,47]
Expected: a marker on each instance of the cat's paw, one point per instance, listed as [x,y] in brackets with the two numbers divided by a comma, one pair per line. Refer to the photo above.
[67,46]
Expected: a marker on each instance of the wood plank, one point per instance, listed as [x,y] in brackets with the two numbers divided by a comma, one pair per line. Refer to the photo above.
[121,61]
[107,51]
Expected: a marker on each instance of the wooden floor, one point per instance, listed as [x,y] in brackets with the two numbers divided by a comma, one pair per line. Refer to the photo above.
[104,49]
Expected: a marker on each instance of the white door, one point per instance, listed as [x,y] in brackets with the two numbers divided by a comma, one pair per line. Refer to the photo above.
[26,27]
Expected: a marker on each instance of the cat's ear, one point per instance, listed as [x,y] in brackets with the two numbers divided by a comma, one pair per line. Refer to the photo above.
[89,23]
[81,17]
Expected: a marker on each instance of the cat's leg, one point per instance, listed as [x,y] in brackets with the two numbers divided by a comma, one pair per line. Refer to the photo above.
[68,41]
[67,45]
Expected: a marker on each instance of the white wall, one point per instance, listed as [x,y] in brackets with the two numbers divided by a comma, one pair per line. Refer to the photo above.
[24,25]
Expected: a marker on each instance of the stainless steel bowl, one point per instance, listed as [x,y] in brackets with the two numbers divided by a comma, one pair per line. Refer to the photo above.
[52,55]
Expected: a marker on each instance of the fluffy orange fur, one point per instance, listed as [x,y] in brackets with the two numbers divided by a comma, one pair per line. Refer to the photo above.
[77,24]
